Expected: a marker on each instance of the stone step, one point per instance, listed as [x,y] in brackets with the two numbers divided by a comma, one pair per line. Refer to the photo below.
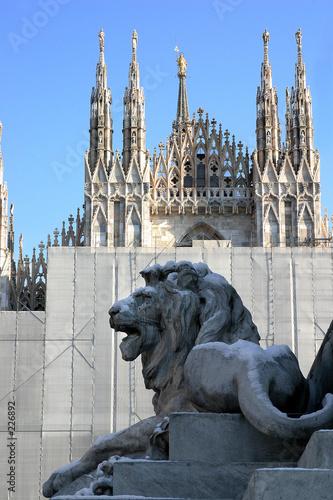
[191,480]
[295,484]
[121,497]
[216,437]
[318,451]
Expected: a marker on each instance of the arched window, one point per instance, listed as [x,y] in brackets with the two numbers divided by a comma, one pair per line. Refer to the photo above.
[188,174]
[201,178]
[100,231]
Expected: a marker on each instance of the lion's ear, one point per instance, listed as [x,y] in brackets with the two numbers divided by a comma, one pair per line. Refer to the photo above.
[151,275]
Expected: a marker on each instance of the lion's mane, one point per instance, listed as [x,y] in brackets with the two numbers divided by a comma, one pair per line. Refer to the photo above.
[223,316]
[196,306]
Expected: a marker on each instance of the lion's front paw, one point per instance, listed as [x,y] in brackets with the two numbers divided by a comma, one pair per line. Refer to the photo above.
[62,477]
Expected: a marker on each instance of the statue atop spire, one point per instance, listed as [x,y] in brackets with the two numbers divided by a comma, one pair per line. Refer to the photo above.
[266,39]
[298,36]
[183,115]
[134,42]
[101,35]
[181,63]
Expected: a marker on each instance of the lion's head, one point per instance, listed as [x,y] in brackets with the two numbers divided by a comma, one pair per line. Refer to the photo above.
[182,304]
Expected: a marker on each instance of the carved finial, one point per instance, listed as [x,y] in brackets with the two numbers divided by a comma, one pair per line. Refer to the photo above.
[200,111]
[265,38]
[71,220]
[181,64]
[56,234]
[161,145]
[41,247]
[213,123]
[101,35]
[226,135]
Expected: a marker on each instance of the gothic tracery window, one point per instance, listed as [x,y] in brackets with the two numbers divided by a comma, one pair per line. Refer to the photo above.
[201,173]
[188,174]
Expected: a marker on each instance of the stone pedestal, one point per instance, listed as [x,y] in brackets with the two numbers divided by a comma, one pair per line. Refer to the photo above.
[185,479]
[221,456]
[217,437]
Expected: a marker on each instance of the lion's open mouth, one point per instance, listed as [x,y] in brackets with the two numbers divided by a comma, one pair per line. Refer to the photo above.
[130,345]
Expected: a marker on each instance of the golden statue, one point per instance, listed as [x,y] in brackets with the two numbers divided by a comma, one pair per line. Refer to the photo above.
[181,62]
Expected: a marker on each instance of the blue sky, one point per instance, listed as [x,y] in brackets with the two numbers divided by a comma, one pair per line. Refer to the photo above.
[49,50]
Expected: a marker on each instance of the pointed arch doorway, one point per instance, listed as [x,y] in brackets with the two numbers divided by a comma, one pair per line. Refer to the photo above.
[198,232]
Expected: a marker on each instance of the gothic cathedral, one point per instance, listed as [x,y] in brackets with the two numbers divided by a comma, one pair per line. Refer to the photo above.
[200,187]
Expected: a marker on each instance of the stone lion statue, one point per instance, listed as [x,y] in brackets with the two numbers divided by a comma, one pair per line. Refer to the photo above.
[182,305]
[188,322]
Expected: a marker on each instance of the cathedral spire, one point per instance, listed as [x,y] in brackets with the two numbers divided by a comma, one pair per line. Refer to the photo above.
[268,129]
[134,123]
[98,160]
[183,115]
[100,114]
[301,110]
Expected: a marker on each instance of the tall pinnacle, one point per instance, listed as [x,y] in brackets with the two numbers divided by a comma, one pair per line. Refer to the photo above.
[134,123]
[183,115]
[100,113]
